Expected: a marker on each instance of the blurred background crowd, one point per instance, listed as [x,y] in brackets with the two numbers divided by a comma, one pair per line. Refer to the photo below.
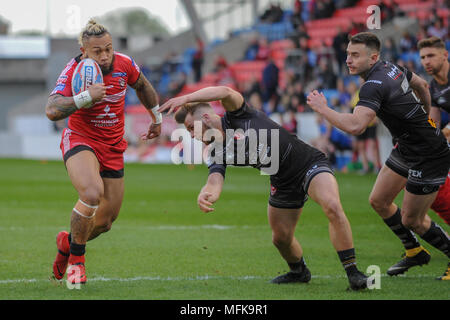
[288,50]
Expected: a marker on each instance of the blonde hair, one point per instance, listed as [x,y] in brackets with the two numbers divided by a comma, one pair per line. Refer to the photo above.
[92,28]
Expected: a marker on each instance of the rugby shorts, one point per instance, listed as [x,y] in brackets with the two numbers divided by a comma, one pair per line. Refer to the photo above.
[424,175]
[295,194]
[110,157]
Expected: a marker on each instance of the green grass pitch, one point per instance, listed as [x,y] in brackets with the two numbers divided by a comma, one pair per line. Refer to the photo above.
[162,247]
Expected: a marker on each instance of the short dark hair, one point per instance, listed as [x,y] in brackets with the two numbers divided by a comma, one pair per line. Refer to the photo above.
[190,108]
[433,42]
[368,39]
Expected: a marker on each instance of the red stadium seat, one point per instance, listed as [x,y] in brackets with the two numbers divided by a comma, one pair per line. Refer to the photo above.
[192,87]
[419,6]
[421,15]
[322,32]
[329,23]
[366,3]
[278,54]
[281,45]
[246,71]
[316,42]
[351,13]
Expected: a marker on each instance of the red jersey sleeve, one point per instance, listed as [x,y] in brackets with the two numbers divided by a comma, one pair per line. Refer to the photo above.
[64,82]
[133,73]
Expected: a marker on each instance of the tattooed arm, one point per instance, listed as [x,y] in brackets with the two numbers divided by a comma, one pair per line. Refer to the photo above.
[149,98]
[145,92]
[60,107]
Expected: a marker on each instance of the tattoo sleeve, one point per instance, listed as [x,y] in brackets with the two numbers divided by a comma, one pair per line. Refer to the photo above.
[145,92]
[59,107]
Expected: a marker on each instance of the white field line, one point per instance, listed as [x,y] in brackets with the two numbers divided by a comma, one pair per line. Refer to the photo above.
[195,278]
[162,227]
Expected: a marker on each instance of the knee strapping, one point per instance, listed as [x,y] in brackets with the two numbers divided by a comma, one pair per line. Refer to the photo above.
[85,210]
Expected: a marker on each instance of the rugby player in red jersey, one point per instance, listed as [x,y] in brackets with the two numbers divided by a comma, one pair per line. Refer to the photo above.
[92,146]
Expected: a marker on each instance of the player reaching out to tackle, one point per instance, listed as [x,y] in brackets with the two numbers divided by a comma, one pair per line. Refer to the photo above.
[419,161]
[300,171]
[93,144]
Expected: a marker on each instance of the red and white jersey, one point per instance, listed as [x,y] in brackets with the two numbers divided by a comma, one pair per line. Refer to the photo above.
[105,121]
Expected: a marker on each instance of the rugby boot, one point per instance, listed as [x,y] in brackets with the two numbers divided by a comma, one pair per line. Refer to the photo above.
[420,258]
[446,275]
[76,273]
[292,277]
[357,280]
[62,256]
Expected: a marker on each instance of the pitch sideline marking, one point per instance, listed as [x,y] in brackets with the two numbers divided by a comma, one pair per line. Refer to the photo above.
[196,278]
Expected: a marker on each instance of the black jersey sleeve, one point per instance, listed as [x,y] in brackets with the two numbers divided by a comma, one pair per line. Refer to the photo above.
[214,165]
[371,95]
[220,168]
[434,103]
[408,73]
[243,111]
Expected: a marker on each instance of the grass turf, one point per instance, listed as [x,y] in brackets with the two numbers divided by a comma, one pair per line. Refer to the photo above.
[162,247]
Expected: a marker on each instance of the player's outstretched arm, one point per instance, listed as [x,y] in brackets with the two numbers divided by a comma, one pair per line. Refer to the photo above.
[353,123]
[435,114]
[210,193]
[230,99]
[149,99]
[420,87]
[60,107]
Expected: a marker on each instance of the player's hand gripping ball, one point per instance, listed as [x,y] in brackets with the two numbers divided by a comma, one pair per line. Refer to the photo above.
[86,74]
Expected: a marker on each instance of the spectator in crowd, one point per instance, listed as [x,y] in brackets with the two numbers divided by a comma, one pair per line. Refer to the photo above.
[340,4]
[224,76]
[389,50]
[197,60]
[263,49]
[340,42]
[289,121]
[356,28]
[270,77]
[387,9]
[255,100]
[407,42]
[252,49]
[296,17]
[324,9]
[273,14]
[298,33]
[326,78]
[343,97]
[437,29]
[252,87]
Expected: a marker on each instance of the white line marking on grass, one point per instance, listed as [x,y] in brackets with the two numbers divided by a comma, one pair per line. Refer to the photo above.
[137,227]
[196,278]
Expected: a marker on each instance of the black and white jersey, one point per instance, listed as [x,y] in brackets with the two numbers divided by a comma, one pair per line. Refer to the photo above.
[386,90]
[440,94]
[253,139]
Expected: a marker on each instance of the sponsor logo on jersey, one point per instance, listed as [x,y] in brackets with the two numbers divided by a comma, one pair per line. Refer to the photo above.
[395,73]
[415,173]
[107,113]
[119,74]
[374,81]
[273,190]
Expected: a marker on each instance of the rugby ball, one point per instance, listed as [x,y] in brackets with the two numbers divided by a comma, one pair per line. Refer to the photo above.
[86,73]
